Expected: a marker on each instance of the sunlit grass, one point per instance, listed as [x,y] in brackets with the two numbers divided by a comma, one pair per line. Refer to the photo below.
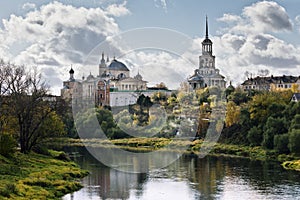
[34,176]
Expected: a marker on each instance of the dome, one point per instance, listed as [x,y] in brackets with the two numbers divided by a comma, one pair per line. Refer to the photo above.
[207,41]
[138,77]
[116,65]
[71,71]
[90,76]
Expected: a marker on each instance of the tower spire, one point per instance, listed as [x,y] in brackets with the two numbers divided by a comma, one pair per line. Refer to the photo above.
[206,35]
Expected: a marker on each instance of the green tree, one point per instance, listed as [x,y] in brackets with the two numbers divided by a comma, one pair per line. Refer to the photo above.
[294,141]
[295,124]
[274,126]
[255,136]
[281,143]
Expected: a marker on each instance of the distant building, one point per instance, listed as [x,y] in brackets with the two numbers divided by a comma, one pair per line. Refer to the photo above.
[113,86]
[207,74]
[271,83]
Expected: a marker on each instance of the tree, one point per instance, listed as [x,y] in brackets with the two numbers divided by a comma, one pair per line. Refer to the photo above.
[294,141]
[274,126]
[233,113]
[26,91]
[281,143]
[254,136]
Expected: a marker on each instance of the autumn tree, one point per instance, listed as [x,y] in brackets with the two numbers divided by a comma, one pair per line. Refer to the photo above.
[233,113]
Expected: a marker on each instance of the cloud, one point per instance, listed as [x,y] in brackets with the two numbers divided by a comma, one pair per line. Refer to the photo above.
[250,44]
[28,6]
[263,16]
[55,36]
[162,4]
[118,10]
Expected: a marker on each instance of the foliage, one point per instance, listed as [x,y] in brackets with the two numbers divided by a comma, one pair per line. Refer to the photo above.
[26,91]
[255,136]
[233,113]
[294,141]
[274,126]
[281,143]
[7,144]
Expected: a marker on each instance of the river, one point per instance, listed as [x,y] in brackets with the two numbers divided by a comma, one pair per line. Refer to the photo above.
[188,178]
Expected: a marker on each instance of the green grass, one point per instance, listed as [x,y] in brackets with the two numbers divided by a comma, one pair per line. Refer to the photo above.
[35,176]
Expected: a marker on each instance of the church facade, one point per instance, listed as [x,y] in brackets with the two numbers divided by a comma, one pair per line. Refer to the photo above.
[207,75]
[113,86]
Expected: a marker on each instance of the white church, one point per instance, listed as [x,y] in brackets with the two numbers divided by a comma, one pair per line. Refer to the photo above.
[207,75]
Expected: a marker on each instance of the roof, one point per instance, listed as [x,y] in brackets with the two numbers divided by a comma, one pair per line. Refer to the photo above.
[196,77]
[117,65]
[296,97]
[271,80]
[207,41]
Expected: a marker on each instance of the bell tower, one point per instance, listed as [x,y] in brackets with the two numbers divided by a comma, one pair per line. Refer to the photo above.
[207,43]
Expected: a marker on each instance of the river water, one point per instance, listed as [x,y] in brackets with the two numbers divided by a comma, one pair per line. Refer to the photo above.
[188,178]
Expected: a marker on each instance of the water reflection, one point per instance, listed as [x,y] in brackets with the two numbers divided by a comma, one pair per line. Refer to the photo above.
[189,178]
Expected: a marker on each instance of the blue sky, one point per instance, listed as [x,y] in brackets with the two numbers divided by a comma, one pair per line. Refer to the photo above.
[248,35]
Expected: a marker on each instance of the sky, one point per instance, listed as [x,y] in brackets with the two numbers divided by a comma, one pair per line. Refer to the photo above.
[160,39]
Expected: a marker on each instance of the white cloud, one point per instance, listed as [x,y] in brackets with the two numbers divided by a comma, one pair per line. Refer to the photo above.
[118,10]
[28,6]
[162,4]
[247,42]
[55,36]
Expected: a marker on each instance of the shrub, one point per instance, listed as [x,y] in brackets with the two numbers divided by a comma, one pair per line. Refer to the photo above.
[281,143]
[7,144]
[254,136]
[294,141]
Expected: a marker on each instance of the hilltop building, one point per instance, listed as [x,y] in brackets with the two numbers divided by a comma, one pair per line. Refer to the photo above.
[207,74]
[272,83]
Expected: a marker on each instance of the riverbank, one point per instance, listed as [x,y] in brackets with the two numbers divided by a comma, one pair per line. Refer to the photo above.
[36,176]
[184,146]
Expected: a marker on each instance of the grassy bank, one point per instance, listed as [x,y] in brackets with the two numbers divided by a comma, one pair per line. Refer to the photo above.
[150,144]
[35,176]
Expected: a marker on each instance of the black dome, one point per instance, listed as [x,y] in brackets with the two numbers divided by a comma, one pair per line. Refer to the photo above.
[71,71]
[207,41]
[116,65]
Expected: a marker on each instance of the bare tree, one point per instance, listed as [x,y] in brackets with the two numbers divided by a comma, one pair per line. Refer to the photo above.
[25,92]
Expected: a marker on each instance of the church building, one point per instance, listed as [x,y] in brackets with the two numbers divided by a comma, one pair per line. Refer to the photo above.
[207,75]
[113,86]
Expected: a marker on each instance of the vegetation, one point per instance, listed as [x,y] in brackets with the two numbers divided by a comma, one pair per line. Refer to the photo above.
[27,115]
[36,176]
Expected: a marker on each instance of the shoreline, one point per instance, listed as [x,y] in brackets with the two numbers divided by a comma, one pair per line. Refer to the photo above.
[183,146]
[37,176]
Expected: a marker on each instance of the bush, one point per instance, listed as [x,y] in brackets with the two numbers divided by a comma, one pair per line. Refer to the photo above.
[254,136]
[41,150]
[281,143]
[294,141]
[7,144]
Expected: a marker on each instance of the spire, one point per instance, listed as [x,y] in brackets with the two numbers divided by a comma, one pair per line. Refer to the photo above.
[206,35]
